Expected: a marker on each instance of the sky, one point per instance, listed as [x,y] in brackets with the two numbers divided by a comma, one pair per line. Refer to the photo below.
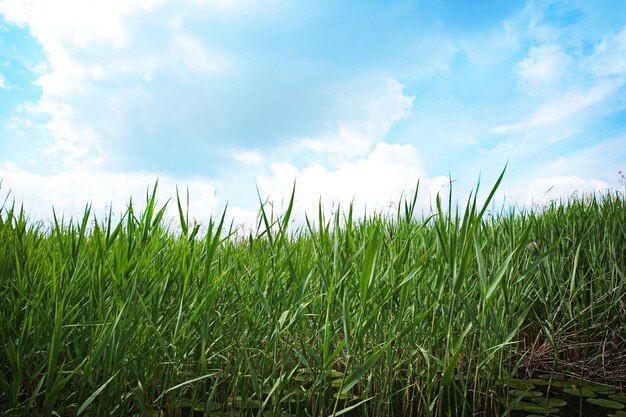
[355,101]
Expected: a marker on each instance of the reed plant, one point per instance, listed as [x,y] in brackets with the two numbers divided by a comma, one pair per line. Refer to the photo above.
[387,315]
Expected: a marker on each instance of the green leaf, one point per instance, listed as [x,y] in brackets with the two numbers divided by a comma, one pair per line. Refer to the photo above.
[349,408]
[182,384]
[356,376]
[369,264]
[93,396]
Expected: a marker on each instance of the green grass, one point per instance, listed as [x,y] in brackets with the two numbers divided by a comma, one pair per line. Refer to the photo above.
[383,316]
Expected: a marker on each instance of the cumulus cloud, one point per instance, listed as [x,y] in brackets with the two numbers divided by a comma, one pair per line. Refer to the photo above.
[3,82]
[541,190]
[378,109]
[354,163]
[592,169]
[547,70]
[64,29]
[69,191]
[248,157]
[544,67]
[78,22]
[91,49]
[124,74]
[372,182]
[74,145]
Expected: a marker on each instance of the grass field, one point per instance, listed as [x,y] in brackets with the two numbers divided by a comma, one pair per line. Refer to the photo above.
[390,315]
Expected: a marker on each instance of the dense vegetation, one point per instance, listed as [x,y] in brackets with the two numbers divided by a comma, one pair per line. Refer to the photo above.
[390,315]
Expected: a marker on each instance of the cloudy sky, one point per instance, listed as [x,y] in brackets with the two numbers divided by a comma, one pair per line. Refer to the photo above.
[355,100]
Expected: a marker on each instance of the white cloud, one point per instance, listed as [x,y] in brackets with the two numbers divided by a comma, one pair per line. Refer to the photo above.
[545,66]
[196,57]
[377,110]
[62,75]
[18,125]
[386,106]
[76,145]
[343,144]
[609,56]
[602,160]
[246,220]
[69,191]
[568,104]
[238,7]
[64,28]
[78,22]
[487,48]
[547,70]
[69,31]
[593,169]
[373,182]
[248,157]
[3,82]
[538,191]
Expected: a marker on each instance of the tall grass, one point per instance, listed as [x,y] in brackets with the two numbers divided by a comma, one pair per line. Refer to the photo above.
[378,317]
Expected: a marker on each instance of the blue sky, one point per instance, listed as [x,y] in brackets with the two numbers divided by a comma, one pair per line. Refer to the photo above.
[355,100]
